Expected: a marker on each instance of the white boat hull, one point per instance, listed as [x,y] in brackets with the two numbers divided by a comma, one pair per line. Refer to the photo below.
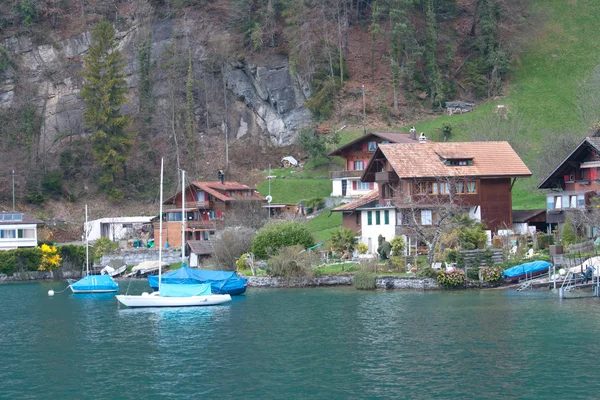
[153,300]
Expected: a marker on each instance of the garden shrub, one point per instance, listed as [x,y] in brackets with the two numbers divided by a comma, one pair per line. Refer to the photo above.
[545,240]
[364,280]
[427,272]
[292,262]
[454,278]
[491,274]
[50,258]
[28,259]
[274,236]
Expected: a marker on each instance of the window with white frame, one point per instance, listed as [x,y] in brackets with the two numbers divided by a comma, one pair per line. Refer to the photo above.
[372,146]
[363,185]
[426,217]
[580,200]
[358,165]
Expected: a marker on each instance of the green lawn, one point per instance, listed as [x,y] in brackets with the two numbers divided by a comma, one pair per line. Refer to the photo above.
[292,190]
[323,224]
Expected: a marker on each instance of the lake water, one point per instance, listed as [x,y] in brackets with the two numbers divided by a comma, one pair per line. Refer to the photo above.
[334,343]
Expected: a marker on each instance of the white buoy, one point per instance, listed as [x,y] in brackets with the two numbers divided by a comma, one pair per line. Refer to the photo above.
[50,292]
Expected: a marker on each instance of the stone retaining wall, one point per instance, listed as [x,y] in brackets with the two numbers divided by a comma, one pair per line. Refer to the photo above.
[136,256]
[383,282]
[37,275]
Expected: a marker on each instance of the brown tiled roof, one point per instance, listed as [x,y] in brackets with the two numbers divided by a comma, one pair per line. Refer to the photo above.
[353,205]
[214,187]
[201,247]
[422,160]
[393,137]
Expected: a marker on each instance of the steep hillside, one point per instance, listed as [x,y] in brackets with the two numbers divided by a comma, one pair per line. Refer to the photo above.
[255,72]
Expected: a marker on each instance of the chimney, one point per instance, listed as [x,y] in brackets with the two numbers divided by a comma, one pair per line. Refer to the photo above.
[221,176]
[413,133]
[422,138]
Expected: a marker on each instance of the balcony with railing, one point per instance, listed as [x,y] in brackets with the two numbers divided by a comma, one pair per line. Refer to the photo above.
[203,204]
[386,177]
[345,174]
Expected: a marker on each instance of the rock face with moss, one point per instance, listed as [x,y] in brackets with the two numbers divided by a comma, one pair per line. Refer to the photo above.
[264,102]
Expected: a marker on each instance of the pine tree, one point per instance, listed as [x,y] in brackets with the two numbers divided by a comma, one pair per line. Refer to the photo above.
[104,92]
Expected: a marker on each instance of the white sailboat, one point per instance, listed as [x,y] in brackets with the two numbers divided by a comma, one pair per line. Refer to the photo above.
[173,295]
[92,283]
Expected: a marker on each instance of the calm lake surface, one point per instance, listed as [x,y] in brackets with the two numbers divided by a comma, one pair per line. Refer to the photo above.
[299,343]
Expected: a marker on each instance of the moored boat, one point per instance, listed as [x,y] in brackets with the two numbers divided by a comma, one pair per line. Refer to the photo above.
[527,270]
[221,282]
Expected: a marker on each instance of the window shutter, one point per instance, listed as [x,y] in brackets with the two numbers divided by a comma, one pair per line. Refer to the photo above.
[354,185]
[593,174]
[377,218]
[371,185]
[350,165]
[365,146]
[369,218]
[386,217]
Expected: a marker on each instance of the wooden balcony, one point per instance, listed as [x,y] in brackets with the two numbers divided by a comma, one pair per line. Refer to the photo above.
[207,205]
[345,174]
[386,177]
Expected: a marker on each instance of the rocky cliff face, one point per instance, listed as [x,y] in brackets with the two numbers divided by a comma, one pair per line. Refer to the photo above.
[265,103]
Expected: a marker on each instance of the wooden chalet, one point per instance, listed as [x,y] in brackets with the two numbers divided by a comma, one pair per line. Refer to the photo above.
[574,182]
[207,205]
[357,155]
[351,213]
[477,176]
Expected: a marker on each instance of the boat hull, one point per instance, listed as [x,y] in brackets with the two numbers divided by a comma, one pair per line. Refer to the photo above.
[94,284]
[159,301]
[526,270]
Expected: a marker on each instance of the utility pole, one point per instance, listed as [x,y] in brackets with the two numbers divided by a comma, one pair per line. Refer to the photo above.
[13,187]
[364,110]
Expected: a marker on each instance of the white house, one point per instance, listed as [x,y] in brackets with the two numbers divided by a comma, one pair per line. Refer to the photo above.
[18,230]
[377,220]
[118,228]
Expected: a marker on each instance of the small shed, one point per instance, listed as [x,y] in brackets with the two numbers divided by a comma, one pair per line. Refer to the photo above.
[529,221]
[458,107]
[199,250]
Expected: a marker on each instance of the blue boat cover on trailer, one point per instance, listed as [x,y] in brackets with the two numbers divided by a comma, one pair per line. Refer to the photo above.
[95,283]
[222,282]
[176,290]
[530,268]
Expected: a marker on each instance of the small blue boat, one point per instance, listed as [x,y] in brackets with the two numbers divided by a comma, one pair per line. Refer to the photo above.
[526,270]
[221,282]
[95,284]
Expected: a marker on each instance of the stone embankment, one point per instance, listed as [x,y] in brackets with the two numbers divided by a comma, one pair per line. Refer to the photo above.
[38,275]
[383,282]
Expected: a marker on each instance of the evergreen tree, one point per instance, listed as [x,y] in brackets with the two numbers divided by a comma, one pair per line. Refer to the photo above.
[104,92]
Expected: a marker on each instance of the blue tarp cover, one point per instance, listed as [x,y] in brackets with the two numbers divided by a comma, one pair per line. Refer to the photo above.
[95,282]
[222,282]
[175,290]
[527,268]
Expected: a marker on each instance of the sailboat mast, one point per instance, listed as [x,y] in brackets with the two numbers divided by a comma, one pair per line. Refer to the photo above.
[182,217]
[160,217]
[87,247]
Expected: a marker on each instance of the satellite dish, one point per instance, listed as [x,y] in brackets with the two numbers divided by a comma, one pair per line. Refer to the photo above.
[269,199]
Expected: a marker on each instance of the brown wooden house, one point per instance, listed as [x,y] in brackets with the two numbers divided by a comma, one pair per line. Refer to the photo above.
[207,205]
[357,155]
[574,182]
[477,175]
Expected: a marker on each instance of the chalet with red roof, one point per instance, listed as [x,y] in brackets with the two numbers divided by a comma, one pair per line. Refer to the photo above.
[206,207]
[414,179]
[356,155]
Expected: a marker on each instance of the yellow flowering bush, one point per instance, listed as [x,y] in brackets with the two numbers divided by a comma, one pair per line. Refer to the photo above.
[50,258]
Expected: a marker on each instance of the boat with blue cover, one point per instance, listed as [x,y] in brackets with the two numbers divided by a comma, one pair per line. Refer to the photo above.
[221,282]
[526,270]
[92,283]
